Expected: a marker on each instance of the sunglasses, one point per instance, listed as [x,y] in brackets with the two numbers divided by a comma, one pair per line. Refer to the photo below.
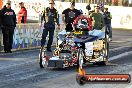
[8,3]
[51,3]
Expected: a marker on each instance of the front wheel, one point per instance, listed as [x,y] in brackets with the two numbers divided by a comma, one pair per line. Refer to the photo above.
[80,58]
[43,59]
[105,54]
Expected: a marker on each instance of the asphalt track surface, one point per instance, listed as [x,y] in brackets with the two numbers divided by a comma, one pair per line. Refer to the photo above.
[21,69]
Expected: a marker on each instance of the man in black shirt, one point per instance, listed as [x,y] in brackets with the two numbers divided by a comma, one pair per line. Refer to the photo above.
[8,24]
[49,16]
[69,15]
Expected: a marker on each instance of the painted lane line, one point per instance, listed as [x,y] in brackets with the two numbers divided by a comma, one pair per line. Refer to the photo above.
[120,55]
[121,47]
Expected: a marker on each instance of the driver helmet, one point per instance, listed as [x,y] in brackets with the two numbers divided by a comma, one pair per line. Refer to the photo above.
[82,24]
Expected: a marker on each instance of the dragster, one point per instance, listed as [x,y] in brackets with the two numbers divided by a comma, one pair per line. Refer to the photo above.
[80,46]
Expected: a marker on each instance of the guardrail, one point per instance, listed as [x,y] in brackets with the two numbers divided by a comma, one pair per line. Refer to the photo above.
[27,36]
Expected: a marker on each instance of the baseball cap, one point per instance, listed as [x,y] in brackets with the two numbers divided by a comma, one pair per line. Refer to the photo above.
[8,2]
[51,2]
[21,3]
[73,3]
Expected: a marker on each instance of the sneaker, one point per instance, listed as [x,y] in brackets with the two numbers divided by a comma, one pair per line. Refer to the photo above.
[6,51]
[10,51]
[110,39]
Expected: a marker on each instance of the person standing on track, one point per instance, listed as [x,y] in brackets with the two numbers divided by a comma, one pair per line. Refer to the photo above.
[107,20]
[49,16]
[22,14]
[8,24]
[69,15]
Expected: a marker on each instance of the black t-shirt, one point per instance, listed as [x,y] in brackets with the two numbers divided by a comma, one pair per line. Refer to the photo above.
[71,15]
[107,17]
[50,15]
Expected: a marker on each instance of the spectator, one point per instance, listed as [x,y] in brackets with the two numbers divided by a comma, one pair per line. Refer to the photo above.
[50,16]
[88,7]
[97,19]
[107,19]
[69,15]
[8,24]
[22,14]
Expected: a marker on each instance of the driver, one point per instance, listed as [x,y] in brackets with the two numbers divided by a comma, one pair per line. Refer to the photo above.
[69,15]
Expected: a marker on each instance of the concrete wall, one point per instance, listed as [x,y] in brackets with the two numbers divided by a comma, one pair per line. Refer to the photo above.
[26,36]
